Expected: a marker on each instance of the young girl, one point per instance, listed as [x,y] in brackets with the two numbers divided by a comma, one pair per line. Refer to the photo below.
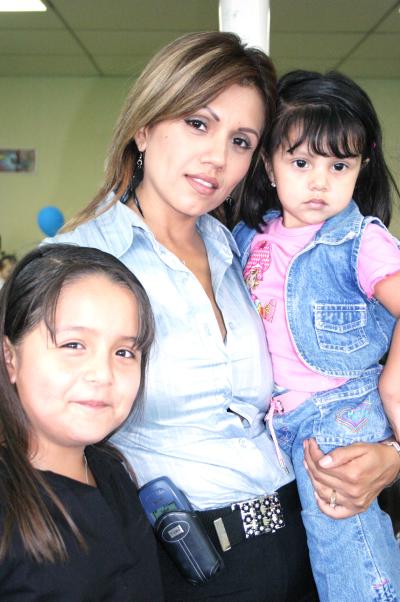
[75,331]
[324,274]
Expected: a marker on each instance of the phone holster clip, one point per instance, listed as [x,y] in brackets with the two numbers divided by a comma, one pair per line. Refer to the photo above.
[188,544]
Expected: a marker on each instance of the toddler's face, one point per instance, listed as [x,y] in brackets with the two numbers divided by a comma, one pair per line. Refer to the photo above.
[312,188]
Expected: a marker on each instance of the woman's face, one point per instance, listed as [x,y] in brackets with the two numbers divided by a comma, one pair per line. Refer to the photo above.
[193,163]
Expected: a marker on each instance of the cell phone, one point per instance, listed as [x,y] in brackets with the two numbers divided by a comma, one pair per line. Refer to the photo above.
[160,496]
[180,530]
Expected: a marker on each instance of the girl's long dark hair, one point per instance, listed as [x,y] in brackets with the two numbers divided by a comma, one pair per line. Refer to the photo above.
[29,297]
[335,117]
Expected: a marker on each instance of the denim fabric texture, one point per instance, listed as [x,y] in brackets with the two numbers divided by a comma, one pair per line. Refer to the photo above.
[203,419]
[355,559]
[338,331]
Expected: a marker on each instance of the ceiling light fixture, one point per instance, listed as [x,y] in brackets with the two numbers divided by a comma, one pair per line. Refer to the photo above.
[28,6]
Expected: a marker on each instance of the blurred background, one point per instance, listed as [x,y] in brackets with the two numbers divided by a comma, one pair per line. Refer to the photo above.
[64,74]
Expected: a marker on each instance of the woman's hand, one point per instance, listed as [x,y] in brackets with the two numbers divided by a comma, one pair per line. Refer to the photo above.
[348,479]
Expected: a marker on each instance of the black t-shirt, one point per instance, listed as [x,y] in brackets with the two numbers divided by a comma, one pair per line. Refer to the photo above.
[121,563]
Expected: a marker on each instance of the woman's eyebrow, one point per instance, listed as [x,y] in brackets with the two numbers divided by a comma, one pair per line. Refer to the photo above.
[250,131]
[242,129]
[213,114]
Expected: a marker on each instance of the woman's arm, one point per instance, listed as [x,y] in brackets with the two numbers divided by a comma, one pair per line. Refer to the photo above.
[389,383]
[357,473]
[387,292]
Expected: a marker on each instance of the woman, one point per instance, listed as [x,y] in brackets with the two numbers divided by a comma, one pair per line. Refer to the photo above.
[188,143]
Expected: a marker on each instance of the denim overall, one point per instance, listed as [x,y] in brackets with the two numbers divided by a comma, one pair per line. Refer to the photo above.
[337,331]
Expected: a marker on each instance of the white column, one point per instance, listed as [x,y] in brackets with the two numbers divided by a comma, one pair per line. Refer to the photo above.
[250,19]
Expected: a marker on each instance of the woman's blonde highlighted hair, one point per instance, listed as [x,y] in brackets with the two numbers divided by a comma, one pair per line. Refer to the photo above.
[182,77]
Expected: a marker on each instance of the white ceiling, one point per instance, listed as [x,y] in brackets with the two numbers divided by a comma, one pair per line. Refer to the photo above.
[117,37]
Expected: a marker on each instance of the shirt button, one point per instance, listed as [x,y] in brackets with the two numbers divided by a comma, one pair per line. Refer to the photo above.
[243,443]
[231,325]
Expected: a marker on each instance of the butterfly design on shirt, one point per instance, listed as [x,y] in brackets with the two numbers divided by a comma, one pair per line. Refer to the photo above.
[258,263]
[265,310]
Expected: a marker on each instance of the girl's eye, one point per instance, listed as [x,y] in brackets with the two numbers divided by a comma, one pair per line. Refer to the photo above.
[242,142]
[339,166]
[72,345]
[196,123]
[127,353]
[300,163]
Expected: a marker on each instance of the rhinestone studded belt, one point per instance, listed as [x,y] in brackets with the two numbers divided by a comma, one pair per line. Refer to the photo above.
[258,516]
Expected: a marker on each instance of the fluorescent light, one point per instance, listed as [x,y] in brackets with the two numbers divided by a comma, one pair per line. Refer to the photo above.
[28,6]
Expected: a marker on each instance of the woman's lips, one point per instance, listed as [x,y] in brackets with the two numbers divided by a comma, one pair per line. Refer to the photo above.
[202,184]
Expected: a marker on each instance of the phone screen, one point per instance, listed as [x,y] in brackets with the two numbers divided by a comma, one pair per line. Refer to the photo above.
[163,509]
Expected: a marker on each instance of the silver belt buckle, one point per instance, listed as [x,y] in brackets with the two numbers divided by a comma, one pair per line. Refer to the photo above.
[222,535]
[262,515]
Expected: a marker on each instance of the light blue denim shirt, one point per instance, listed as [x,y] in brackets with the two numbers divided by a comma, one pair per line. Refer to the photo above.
[197,384]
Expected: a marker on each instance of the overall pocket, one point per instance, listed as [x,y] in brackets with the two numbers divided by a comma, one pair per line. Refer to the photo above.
[340,326]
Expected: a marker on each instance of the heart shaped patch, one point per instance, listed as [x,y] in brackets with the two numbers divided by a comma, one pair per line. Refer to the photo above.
[354,418]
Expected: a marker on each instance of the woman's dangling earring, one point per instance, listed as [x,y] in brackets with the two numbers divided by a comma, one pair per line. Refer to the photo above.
[228,205]
[138,173]
[135,180]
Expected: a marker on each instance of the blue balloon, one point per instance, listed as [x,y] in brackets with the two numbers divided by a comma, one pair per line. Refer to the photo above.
[50,219]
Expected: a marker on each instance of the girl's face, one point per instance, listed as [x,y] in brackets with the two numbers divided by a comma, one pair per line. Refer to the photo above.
[192,164]
[79,388]
[312,188]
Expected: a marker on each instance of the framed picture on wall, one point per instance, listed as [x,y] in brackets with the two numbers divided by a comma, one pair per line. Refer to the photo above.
[17,160]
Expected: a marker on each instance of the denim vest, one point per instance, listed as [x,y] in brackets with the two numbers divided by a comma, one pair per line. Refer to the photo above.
[335,329]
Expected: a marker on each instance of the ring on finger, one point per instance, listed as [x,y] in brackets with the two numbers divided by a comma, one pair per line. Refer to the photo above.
[332,501]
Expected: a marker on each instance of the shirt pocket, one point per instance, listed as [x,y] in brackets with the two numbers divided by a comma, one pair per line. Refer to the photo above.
[340,326]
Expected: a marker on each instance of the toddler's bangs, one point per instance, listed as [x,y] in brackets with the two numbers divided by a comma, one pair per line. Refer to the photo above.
[326,131]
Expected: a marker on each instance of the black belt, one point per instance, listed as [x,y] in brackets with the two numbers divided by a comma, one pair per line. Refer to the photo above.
[259,516]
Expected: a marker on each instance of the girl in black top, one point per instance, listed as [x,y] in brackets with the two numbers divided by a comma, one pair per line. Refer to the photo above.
[75,331]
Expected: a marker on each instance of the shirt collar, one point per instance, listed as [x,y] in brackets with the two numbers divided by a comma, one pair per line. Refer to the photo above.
[121,220]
